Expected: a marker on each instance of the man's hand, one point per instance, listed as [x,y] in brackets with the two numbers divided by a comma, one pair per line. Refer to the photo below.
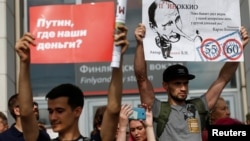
[140,33]
[149,116]
[244,36]
[23,46]
[121,38]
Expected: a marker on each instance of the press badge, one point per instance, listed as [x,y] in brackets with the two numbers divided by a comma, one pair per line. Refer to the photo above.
[193,125]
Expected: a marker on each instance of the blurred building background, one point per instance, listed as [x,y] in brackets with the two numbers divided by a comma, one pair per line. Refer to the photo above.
[14,17]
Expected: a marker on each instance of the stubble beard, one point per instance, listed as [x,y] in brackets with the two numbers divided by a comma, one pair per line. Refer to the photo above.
[177,99]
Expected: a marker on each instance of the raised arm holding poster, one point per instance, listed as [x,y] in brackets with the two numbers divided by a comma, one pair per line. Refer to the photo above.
[72,33]
[192,30]
[121,10]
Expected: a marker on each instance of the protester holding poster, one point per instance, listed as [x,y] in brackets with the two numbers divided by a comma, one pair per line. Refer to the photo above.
[184,122]
[111,115]
[65,102]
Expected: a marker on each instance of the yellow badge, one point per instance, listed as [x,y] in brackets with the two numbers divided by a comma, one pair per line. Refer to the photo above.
[193,125]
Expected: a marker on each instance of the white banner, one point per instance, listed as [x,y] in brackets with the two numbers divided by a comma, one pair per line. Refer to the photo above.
[192,30]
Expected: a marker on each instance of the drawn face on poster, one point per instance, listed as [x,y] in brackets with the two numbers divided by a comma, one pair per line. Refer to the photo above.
[165,21]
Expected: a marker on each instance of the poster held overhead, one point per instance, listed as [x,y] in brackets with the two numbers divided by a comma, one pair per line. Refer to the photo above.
[120,19]
[82,34]
[192,30]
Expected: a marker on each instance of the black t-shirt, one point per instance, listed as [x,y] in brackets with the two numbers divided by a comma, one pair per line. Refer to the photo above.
[43,136]
[12,134]
[96,137]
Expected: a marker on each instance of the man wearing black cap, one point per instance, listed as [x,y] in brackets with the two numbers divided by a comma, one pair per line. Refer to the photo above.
[184,122]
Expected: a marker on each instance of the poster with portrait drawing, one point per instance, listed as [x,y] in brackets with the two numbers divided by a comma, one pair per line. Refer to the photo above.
[192,30]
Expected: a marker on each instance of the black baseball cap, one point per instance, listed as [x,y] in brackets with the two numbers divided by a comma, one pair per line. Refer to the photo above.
[176,71]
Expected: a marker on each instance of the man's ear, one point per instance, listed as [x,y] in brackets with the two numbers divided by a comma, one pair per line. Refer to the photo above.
[165,85]
[78,111]
[17,111]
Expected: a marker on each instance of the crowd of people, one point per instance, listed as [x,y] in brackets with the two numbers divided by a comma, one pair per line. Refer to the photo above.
[182,119]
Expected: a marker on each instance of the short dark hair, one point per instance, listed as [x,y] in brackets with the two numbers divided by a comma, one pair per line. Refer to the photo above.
[35,103]
[98,118]
[73,93]
[12,103]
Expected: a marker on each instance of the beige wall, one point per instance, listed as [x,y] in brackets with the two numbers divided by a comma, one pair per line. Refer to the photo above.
[7,55]
[245,14]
